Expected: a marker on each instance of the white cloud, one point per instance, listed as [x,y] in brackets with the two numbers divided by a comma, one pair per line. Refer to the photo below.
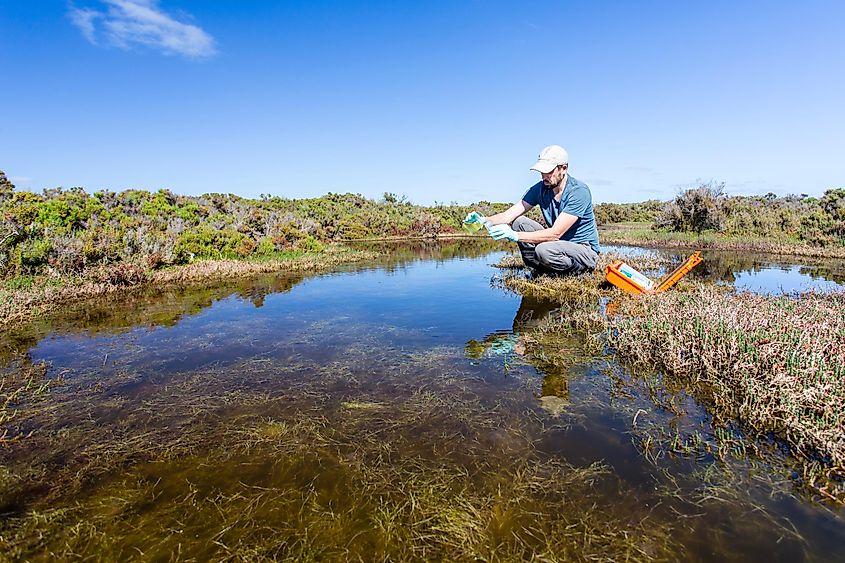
[131,23]
[84,20]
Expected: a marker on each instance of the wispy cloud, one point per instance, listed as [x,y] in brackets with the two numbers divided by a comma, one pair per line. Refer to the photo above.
[20,180]
[132,23]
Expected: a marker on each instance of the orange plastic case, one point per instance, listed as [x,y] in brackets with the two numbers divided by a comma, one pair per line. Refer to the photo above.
[630,280]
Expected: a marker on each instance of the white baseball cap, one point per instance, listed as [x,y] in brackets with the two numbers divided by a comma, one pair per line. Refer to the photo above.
[550,158]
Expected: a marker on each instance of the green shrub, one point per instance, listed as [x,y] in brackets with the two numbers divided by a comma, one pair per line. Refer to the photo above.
[694,210]
[309,244]
[642,212]
[207,242]
[159,205]
[825,226]
[189,212]
[34,253]
[350,229]
[265,247]
[72,231]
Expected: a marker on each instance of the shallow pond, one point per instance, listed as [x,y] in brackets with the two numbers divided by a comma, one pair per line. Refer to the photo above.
[386,412]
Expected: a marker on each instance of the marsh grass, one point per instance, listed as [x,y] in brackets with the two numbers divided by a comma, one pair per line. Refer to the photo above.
[701,467]
[776,363]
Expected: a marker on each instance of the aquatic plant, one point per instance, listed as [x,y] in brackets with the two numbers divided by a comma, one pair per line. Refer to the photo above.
[369,451]
[22,384]
[307,467]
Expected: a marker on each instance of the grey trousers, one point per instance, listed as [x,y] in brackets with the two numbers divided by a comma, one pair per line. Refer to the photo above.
[555,257]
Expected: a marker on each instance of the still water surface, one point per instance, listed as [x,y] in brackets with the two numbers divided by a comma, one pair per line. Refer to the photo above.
[387,412]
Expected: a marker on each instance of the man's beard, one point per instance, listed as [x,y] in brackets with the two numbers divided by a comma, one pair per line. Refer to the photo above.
[550,185]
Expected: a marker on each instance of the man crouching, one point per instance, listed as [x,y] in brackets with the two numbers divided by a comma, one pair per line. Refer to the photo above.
[570,242]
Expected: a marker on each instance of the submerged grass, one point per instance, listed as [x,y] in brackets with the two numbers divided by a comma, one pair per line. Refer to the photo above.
[776,363]
[309,469]
[22,383]
[372,453]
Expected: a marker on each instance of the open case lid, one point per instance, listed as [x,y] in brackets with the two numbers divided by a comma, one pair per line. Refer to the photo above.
[679,272]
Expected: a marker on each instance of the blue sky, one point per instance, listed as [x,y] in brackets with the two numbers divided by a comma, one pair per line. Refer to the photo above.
[441,100]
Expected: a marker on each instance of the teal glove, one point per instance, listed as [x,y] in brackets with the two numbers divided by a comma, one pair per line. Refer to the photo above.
[474,217]
[504,345]
[499,232]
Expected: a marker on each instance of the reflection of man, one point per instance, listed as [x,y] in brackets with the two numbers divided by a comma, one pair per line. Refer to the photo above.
[569,244]
[531,311]
[554,391]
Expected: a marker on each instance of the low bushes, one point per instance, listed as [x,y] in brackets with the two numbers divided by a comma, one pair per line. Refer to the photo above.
[819,222]
[70,231]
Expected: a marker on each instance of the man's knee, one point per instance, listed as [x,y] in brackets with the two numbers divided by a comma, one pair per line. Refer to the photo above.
[524,224]
[551,257]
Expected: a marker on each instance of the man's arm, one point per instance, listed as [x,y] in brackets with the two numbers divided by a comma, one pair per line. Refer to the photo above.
[510,215]
[562,224]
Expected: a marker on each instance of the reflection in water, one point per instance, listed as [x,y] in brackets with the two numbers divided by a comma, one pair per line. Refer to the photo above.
[761,272]
[166,306]
[757,271]
[402,410]
[504,343]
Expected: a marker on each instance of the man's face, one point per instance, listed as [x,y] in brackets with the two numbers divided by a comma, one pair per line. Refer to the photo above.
[553,179]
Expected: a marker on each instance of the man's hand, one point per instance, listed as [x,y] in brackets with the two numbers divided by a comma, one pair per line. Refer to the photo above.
[499,232]
[474,217]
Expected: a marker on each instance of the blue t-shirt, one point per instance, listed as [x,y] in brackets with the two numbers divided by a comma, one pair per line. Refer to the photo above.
[575,200]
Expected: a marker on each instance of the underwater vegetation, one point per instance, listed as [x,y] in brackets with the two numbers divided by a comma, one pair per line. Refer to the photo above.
[303,463]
